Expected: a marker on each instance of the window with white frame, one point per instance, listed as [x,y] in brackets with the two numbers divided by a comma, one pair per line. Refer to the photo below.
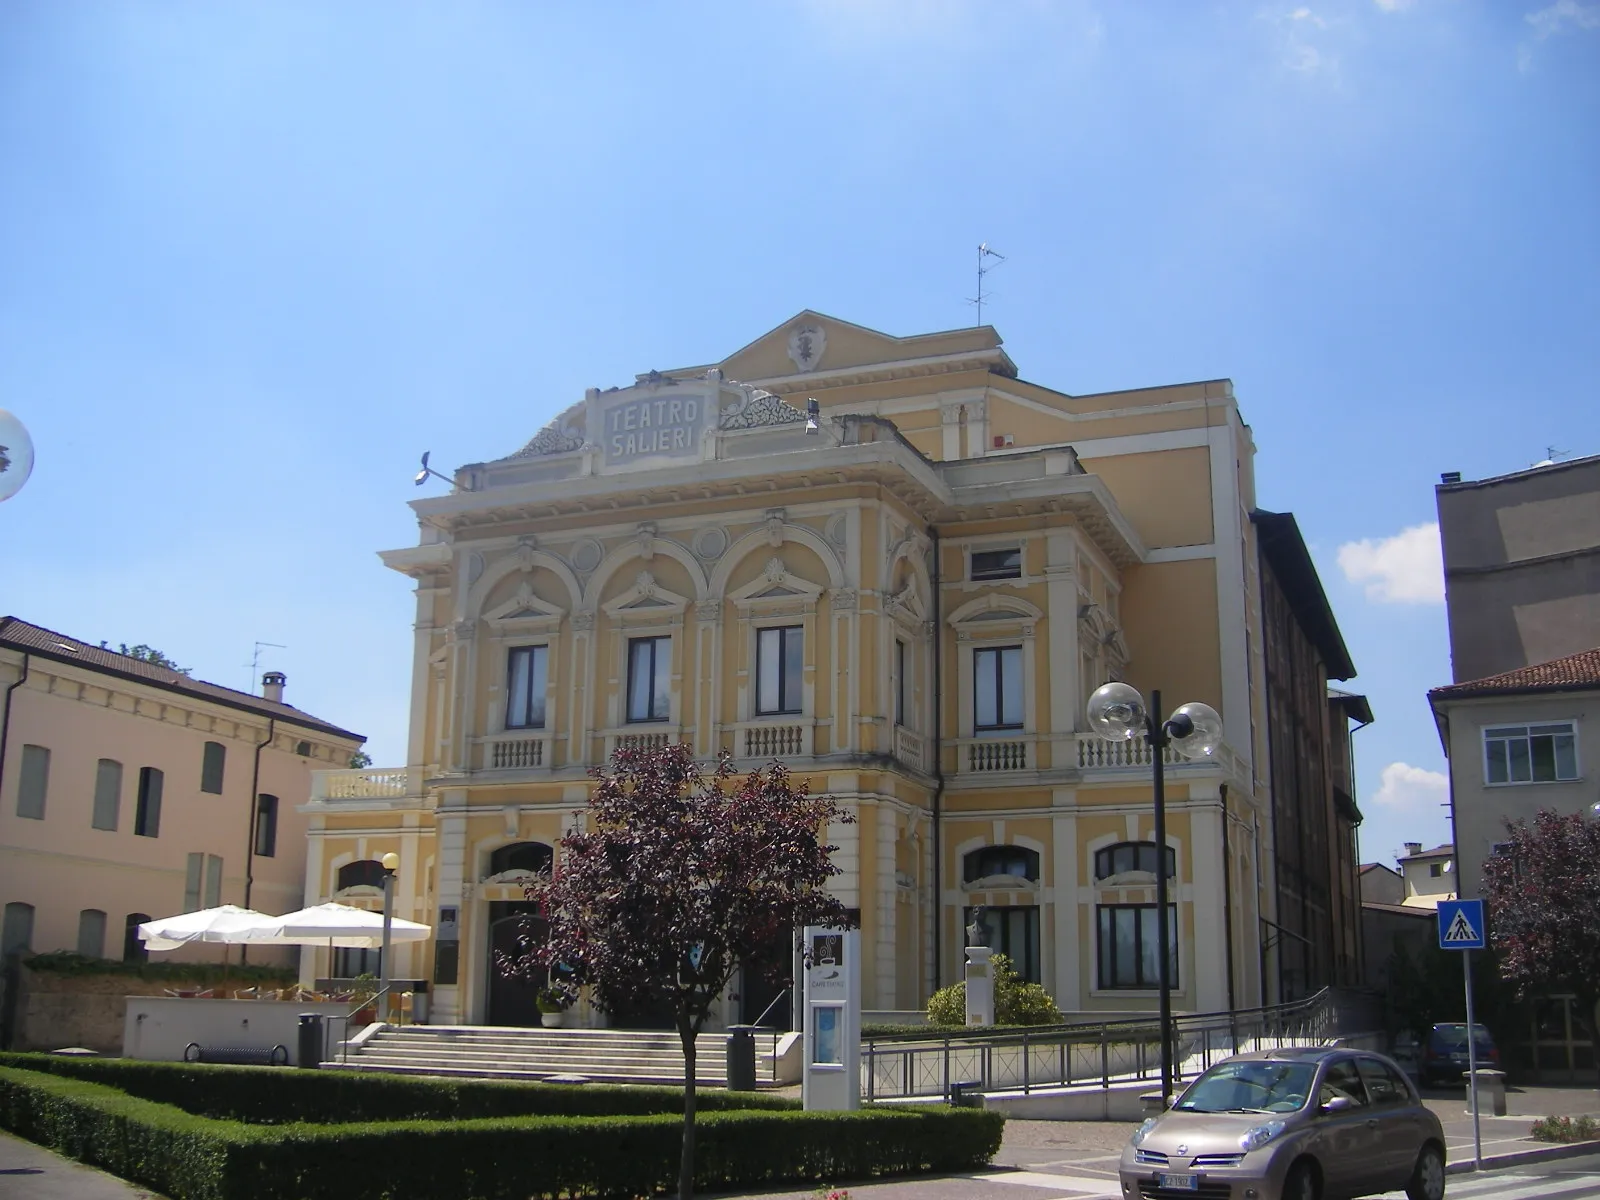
[1130,946]
[1012,931]
[526,676]
[649,678]
[1530,753]
[780,670]
[997,688]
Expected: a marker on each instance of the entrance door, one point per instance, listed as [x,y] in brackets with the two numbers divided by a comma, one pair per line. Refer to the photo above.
[756,992]
[513,924]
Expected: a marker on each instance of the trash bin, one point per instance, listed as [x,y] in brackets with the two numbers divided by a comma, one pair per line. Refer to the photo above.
[742,1058]
[310,1047]
[967,1094]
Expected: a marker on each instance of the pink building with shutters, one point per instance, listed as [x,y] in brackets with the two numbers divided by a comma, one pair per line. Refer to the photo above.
[130,791]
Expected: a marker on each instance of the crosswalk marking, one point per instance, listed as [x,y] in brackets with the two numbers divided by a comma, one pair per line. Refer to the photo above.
[1080,1187]
[1513,1187]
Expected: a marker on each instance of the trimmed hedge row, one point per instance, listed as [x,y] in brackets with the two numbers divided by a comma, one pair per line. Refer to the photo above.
[189,1157]
[273,1097]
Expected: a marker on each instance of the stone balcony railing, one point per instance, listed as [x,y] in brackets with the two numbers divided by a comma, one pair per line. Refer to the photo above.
[363,783]
[768,738]
[515,750]
[910,748]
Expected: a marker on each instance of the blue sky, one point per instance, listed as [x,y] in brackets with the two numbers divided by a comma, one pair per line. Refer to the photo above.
[255,257]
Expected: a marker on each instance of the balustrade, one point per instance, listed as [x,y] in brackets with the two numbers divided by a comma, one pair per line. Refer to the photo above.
[364,783]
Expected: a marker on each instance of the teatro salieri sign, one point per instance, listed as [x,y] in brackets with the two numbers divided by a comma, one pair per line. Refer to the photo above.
[658,418]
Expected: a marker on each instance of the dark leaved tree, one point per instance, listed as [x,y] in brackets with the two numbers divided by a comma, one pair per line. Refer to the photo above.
[148,654]
[1543,891]
[677,878]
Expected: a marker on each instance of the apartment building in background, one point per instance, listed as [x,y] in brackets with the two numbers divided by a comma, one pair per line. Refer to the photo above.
[130,791]
[1521,566]
[900,568]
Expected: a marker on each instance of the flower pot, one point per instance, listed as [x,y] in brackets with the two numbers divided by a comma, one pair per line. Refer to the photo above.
[551,1020]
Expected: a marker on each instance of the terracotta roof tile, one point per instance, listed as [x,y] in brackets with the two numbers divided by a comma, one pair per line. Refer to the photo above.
[35,639]
[1581,670]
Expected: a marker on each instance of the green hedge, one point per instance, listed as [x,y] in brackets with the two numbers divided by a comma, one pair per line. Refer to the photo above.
[189,1157]
[65,962]
[274,1096]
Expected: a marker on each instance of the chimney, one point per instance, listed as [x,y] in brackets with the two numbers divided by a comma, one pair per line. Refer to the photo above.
[1412,848]
[272,686]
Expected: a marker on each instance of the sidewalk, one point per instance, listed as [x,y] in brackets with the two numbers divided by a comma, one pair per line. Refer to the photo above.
[32,1172]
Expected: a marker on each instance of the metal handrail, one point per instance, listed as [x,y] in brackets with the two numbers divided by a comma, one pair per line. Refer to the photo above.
[377,1011]
[1081,1054]
[980,1033]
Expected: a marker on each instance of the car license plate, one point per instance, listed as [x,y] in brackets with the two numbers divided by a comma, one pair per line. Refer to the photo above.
[1179,1183]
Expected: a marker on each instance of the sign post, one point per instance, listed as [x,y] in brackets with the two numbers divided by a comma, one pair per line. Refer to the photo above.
[1461,927]
[832,1078]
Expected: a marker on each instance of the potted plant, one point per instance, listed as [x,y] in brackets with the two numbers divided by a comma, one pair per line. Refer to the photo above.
[363,992]
[552,1004]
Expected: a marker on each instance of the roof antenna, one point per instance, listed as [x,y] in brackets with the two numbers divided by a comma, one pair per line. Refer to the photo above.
[255,662]
[984,254]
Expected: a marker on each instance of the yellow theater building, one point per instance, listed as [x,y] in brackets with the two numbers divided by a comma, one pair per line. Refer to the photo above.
[908,600]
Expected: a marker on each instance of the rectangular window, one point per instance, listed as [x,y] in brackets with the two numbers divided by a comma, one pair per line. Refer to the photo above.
[1530,753]
[649,675]
[147,813]
[1013,932]
[350,962]
[1130,955]
[780,664]
[107,794]
[997,688]
[997,564]
[213,881]
[1436,870]
[92,933]
[266,826]
[212,762]
[34,782]
[901,685]
[194,882]
[525,687]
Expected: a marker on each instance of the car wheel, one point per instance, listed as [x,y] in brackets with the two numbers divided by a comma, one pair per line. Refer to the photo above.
[1301,1183]
[1427,1177]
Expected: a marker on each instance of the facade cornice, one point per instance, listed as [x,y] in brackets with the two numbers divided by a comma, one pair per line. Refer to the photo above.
[890,372]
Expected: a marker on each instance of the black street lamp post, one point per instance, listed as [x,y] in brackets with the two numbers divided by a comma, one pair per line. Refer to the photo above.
[1117,713]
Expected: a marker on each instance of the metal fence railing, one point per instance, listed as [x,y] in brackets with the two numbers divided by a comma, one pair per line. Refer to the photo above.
[1054,1056]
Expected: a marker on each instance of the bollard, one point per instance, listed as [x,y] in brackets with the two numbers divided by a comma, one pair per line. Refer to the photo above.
[310,1047]
[742,1058]
[1491,1091]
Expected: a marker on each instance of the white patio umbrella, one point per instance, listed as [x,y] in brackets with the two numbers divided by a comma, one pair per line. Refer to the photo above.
[224,924]
[334,924]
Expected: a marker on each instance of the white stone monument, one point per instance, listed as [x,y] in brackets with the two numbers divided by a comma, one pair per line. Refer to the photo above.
[979,977]
[832,965]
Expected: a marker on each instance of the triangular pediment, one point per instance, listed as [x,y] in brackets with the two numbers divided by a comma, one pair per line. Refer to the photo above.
[523,610]
[646,598]
[812,342]
[777,585]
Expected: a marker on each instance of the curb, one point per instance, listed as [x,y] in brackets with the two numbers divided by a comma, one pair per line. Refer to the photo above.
[1523,1157]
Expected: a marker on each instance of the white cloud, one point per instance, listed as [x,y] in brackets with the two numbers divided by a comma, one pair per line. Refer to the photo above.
[1406,789]
[1555,18]
[1394,5]
[1407,568]
[1305,14]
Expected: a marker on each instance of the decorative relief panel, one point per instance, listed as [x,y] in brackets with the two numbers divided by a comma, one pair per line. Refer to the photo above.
[710,543]
[758,407]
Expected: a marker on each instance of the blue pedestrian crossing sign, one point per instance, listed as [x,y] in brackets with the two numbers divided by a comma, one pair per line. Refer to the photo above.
[1461,925]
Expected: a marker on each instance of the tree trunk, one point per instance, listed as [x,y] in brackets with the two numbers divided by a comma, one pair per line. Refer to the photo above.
[686,1164]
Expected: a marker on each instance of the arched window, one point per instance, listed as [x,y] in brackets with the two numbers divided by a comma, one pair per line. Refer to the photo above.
[17,934]
[133,950]
[92,933]
[1131,856]
[364,872]
[533,857]
[988,861]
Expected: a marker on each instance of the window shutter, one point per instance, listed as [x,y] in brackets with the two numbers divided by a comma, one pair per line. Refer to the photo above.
[191,884]
[107,793]
[33,782]
[212,763]
[213,881]
[92,933]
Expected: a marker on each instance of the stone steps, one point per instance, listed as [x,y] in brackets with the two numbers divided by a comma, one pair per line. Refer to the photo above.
[602,1055]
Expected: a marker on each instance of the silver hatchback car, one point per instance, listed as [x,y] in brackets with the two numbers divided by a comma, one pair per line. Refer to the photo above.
[1306,1123]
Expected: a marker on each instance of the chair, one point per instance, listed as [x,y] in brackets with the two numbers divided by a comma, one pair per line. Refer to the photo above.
[248,993]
